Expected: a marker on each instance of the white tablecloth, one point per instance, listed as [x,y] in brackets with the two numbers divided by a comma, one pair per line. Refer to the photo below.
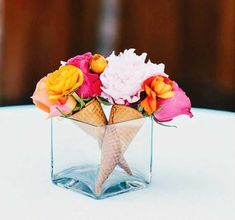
[193,175]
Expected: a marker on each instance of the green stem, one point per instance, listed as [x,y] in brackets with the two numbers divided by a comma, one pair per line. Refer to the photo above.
[78,99]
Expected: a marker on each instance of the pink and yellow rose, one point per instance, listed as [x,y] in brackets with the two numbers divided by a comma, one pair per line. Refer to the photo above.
[51,93]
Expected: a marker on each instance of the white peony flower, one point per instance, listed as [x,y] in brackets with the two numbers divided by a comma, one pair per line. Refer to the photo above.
[122,78]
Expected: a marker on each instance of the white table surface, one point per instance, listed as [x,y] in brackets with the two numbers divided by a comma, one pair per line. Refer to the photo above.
[193,175]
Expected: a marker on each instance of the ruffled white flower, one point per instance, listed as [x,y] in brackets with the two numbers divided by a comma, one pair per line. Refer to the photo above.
[122,78]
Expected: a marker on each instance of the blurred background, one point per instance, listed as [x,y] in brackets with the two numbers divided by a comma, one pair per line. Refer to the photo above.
[195,39]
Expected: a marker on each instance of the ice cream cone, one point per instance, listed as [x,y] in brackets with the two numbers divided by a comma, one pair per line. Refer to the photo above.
[117,138]
[93,114]
[120,113]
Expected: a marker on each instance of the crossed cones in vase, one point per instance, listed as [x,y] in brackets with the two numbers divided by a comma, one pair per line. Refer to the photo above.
[113,140]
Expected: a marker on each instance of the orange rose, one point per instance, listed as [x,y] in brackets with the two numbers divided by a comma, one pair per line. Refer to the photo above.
[156,87]
[63,81]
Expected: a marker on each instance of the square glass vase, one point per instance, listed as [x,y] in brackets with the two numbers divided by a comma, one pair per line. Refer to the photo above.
[102,161]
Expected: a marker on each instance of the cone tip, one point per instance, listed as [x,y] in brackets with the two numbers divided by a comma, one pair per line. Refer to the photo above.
[98,190]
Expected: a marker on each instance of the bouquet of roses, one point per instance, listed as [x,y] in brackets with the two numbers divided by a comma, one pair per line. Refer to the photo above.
[135,89]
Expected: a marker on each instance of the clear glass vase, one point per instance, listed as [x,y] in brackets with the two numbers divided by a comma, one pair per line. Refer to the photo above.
[101,161]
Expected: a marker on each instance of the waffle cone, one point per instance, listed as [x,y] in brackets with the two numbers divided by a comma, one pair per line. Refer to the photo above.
[116,140]
[121,113]
[93,114]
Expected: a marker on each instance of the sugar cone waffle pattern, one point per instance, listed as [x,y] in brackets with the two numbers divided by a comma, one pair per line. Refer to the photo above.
[93,114]
[117,138]
[122,114]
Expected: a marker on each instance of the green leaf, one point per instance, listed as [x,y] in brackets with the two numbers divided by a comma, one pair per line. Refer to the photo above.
[145,114]
[103,101]
[140,108]
[87,99]
[62,113]
[76,108]
[170,126]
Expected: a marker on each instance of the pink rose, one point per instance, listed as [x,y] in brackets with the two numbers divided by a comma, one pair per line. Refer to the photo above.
[40,99]
[175,106]
[91,85]
[81,61]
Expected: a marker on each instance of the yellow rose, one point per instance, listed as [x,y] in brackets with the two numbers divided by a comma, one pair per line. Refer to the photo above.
[63,81]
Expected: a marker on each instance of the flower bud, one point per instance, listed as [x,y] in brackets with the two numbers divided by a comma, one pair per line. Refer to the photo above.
[98,63]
